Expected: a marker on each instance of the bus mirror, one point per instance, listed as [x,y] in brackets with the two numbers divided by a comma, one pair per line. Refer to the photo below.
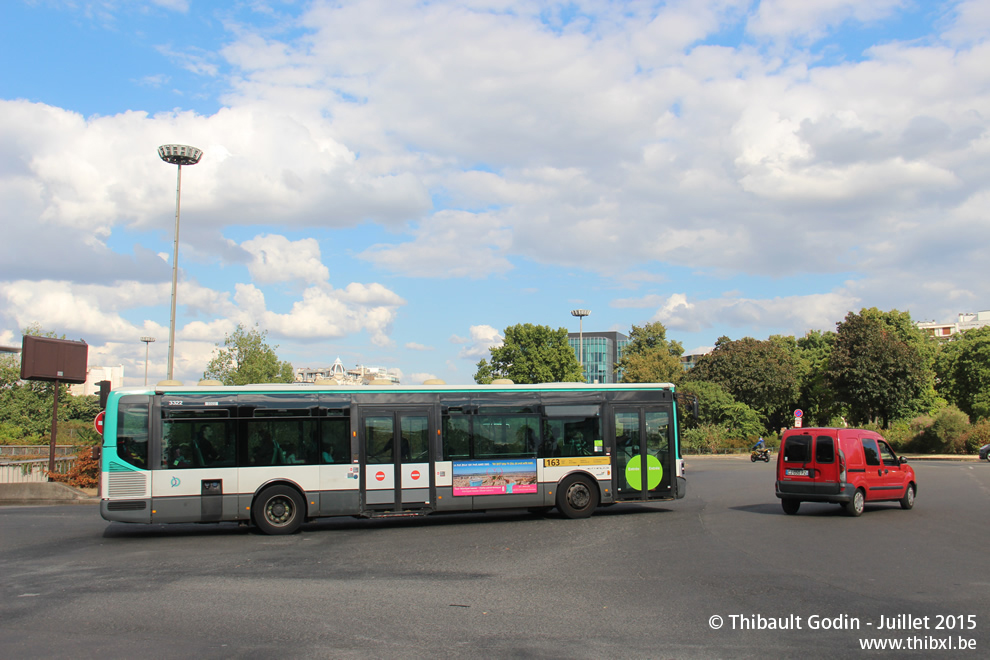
[104,392]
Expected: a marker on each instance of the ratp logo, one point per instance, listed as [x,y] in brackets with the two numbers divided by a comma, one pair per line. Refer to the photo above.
[175,482]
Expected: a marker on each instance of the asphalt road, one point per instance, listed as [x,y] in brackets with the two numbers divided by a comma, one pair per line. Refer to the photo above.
[631,582]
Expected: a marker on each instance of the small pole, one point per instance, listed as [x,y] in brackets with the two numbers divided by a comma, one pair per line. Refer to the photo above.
[51,444]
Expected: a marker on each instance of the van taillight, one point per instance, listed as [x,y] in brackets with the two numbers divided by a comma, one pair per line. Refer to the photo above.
[842,467]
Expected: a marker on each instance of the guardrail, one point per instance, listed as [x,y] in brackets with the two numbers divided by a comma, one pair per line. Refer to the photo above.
[32,471]
[36,450]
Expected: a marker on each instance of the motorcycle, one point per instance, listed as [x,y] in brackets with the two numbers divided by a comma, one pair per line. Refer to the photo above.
[760,455]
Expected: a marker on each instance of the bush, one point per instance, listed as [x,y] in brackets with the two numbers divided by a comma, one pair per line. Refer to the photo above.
[705,439]
[899,435]
[978,435]
[950,427]
[945,433]
[84,473]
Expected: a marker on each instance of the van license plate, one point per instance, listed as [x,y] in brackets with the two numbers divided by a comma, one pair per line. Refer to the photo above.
[796,473]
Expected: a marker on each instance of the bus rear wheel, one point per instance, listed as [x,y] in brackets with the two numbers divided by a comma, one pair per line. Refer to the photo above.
[278,510]
[577,497]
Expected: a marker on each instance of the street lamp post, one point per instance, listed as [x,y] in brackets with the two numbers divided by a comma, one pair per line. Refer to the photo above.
[581,313]
[146,340]
[176,154]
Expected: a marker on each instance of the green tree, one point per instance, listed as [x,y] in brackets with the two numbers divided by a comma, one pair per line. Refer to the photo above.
[26,406]
[717,408]
[816,398]
[531,354]
[650,358]
[963,370]
[879,369]
[761,374]
[245,358]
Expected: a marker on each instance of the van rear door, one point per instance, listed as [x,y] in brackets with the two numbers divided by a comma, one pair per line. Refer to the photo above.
[826,466]
[796,466]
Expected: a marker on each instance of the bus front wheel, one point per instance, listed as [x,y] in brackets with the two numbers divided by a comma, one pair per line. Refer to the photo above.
[577,497]
[278,510]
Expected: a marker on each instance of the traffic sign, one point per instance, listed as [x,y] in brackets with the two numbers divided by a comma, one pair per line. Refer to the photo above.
[799,413]
[98,422]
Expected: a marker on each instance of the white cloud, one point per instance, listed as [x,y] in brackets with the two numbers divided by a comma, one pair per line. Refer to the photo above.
[793,315]
[483,337]
[414,346]
[814,18]
[450,244]
[277,259]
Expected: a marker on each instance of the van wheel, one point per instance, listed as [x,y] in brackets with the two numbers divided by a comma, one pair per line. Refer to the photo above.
[854,507]
[278,510]
[790,507]
[577,497]
[907,502]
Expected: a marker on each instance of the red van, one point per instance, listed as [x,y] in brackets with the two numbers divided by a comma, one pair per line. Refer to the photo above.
[845,466]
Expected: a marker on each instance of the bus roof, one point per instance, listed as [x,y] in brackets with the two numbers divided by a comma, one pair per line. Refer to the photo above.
[396,388]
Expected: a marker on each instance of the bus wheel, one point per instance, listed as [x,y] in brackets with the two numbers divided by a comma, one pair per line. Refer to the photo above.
[577,497]
[278,510]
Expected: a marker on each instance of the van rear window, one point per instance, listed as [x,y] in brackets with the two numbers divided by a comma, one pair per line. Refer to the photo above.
[797,449]
[824,449]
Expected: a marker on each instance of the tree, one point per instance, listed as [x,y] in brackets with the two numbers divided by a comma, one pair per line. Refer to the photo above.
[246,358]
[963,369]
[26,406]
[816,398]
[761,374]
[650,358]
[877,368]
[717,408]
[531,354]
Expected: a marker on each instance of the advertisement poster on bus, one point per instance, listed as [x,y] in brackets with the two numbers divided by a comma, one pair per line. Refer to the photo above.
[497,477]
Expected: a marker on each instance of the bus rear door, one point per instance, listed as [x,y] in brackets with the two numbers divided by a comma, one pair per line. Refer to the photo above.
[396,453]
[643,465]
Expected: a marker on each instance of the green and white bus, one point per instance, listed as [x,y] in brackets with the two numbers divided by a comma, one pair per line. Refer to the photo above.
[279,455]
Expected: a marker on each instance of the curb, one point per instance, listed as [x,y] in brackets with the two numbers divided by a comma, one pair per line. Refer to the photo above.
[44,494]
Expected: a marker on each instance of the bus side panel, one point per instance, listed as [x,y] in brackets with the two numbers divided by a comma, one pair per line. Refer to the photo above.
[340,493]
[447,502]
[179,495]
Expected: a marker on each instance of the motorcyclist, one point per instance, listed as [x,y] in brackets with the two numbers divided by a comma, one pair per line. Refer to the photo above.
[760,445]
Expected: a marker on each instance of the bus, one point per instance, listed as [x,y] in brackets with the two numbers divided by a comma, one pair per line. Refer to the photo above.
[276,456]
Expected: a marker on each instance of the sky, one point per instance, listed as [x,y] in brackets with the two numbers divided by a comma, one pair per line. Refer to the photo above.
[393,182]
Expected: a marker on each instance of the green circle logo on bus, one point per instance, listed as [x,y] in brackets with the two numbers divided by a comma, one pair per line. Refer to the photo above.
[654,472]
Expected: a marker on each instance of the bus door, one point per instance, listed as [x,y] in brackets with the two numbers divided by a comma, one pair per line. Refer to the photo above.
[398,466]
[643,465]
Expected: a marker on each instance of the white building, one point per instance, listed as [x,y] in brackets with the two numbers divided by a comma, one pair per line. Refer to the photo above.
[966,321]
[337,372]
[94,375]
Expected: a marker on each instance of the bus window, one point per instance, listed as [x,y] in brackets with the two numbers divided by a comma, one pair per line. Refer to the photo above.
[335,440]
[378,432]
[132,431]
[415,439]
[456,437]
[657,424]
[281,441]
[571,431]
[505,436]
[197,438]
